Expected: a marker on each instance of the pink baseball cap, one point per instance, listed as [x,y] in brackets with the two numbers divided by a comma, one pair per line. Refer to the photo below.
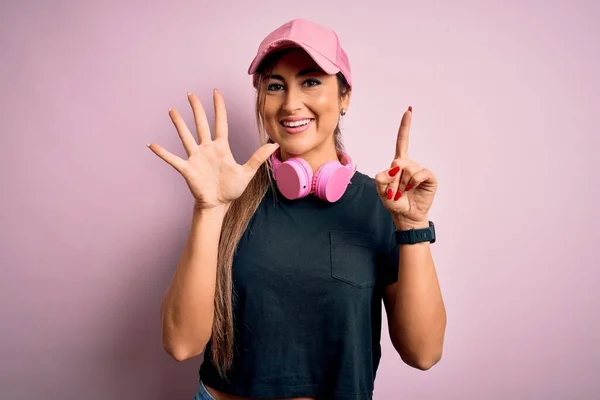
[321,43]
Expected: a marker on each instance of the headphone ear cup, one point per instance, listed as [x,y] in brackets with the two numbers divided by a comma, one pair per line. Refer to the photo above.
[331,181]
[294,178]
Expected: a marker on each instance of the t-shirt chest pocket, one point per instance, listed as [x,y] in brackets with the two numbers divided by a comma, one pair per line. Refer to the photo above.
[353,258]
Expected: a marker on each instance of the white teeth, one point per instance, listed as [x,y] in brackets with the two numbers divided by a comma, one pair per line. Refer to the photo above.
[296,123]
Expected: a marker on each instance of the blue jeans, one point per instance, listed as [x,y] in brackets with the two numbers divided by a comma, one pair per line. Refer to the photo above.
[203,393]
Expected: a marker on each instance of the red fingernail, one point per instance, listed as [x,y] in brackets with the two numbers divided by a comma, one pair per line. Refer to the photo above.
[398,195]
[394,171]
[408,187]
[410,108]
[390,193]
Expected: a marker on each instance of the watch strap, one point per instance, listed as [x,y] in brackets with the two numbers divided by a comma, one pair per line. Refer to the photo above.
[412,236]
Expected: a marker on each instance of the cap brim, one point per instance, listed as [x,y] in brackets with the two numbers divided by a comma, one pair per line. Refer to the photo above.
[327,66]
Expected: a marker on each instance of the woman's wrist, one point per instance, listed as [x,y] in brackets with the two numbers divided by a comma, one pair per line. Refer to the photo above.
[404,224]
[212,212]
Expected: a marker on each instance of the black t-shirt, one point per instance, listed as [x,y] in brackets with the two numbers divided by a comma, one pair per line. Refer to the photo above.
[308,278]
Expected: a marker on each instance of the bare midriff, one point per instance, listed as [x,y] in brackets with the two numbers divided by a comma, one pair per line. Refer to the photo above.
[226,396]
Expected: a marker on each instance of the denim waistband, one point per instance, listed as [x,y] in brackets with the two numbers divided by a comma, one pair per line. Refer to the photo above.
[202,393]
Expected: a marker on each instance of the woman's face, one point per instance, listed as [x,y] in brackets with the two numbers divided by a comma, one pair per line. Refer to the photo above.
[302,105]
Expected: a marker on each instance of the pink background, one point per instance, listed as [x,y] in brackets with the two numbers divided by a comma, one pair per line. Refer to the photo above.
[506,106]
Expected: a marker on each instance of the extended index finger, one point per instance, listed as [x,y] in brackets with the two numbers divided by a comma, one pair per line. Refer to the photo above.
[403,133]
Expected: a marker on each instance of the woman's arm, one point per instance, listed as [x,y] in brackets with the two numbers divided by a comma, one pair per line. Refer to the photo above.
[414,305]
[187,309]
[215,180]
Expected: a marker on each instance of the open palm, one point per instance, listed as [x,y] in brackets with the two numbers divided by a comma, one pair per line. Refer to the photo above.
[211,172]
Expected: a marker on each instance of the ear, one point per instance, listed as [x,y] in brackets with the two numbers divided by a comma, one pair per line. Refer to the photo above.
[345,100]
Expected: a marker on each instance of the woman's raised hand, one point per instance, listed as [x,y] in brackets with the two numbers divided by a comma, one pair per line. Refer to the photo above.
[406,188]
[212,174]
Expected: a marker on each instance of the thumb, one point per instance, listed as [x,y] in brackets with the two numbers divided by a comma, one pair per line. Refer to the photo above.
[260,156]
[383,179]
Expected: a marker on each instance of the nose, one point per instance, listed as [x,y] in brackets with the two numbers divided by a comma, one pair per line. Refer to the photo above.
[293,100]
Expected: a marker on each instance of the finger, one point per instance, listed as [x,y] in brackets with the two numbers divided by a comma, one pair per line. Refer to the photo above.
[407,174]
[403,133]
[200,121]
[169,158]
[391,192]
[384,179]
[421,178]
[221,128]
[407,167]
[260,156]
[182,130]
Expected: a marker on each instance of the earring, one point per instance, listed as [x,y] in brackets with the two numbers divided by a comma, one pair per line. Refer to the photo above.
[343,111]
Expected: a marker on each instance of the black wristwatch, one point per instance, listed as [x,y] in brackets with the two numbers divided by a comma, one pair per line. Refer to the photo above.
[413,236]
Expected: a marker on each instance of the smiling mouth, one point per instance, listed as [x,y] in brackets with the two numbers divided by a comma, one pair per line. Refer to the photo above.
[295,124]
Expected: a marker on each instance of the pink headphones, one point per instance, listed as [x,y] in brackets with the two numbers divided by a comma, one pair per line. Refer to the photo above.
[295,178]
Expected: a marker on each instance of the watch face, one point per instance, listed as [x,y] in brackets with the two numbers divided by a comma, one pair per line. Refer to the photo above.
[432,229]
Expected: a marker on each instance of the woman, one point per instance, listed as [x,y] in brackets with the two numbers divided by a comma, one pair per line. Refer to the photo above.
[291,254]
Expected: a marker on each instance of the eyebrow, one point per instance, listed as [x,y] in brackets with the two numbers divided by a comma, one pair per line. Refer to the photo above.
[305,71]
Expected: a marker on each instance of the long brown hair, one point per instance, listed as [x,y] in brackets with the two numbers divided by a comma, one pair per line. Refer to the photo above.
[236,221]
